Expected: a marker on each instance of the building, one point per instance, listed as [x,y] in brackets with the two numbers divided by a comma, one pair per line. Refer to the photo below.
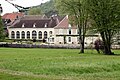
[12,16]
[8,18]
[56,30]
[66,33]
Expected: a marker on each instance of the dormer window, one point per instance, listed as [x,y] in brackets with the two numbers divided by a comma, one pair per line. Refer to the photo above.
[69,26]
[34,25]
[45,25]
[23,25]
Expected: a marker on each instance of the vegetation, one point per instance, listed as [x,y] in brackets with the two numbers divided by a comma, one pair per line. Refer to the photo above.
[77,10]
[2,33]
[47,8]
[105,15]
[57,64]
[35,11]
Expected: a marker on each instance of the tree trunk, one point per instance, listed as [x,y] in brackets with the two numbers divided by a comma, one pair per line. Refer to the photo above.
[107,49]
[107,45]
[82,47]
[81,40]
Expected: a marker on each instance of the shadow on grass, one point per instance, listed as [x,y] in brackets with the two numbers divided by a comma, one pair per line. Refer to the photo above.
[116,55]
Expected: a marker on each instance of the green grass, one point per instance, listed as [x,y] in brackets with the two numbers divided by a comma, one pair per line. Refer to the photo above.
[57,64]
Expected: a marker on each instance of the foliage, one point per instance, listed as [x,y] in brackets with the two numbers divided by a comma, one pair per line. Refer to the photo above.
[57,64]
[45,8]
[105,14]
[35,11]
[2,33]
[78,16]
[48,8]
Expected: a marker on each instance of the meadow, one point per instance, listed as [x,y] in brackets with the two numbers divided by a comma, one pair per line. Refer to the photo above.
[57,64]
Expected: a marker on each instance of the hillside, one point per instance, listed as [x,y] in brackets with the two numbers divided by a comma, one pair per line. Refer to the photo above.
[47,8]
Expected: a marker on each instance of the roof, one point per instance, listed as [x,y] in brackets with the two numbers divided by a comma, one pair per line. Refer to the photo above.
[43,23]
[64,24]
[34,17]
[37,22]
[12,16]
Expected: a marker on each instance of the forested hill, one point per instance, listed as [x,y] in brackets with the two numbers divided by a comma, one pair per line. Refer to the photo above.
[47,8]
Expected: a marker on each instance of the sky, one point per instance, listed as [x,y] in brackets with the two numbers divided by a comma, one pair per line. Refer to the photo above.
[8,8]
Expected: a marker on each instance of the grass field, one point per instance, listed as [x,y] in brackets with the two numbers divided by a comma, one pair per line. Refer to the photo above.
[57,64]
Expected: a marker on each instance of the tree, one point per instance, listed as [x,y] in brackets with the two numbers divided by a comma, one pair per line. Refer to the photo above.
[106,17]
[35,11]
[2,34]
[76,9]
[46,8]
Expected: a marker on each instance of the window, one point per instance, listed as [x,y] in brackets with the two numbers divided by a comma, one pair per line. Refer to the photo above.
[50,33]
[69,39]
[45,25]
[45,35]
[52,39]
[69,31]
[12,35]
[34,25]
[23,35]
[23,25]
[40,35]
[18,35]
[28,35]
[34,34]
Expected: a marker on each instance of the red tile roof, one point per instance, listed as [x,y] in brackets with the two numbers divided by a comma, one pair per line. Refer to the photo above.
[12,16]
[64,24]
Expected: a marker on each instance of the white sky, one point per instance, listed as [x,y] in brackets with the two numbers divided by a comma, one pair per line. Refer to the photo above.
[8,8]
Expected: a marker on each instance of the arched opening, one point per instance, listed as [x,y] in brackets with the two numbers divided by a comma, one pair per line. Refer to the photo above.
[12,35]
[45,35]
[34,34]
[40,35]
[28,34]
[18,35]
[23,35]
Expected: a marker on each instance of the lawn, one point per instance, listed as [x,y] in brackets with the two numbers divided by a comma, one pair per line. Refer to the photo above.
[57,64]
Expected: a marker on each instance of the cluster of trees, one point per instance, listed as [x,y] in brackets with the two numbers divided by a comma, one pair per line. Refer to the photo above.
[2,34]
[47,8]
[102,15]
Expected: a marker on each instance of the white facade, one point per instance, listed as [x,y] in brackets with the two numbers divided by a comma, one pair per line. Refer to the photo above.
[64,36]
[62,33]
[50,31]
[51,34]
[56,36]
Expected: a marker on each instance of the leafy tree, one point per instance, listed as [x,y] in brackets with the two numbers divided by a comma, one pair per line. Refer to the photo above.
[35,11]
[79,16]
[106,17]
[47,8]
[2,35]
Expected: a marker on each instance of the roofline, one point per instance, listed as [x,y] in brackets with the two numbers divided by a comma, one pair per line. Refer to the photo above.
[61,21]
